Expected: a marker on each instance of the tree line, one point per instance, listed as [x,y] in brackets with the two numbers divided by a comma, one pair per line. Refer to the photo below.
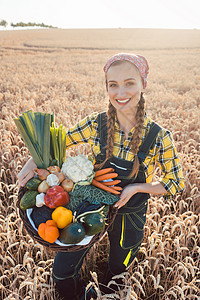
[22,24]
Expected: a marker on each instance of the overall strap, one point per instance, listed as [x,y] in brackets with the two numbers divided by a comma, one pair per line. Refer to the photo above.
[147,145]
[102,124]
[149,142]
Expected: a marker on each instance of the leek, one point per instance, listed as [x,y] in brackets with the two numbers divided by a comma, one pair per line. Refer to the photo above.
[39,122]
[35,131]
[45,142]
[29,144]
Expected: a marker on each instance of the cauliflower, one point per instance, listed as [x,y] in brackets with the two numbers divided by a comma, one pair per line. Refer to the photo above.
[77,168]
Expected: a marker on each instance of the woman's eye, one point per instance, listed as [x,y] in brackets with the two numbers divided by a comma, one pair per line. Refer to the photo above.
[112,85]
[130,83]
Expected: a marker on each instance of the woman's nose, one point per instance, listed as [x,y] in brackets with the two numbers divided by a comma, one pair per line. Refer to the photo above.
[121,91]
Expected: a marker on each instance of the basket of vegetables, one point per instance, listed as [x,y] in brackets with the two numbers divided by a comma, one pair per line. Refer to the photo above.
[67,205]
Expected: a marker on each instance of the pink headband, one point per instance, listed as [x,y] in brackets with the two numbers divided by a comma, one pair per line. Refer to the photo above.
[139,61]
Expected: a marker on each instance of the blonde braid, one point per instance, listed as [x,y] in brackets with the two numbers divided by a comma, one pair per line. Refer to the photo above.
[137,135]
[110,131]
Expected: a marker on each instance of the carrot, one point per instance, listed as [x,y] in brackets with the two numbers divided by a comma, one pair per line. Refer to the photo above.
[117,188]
[104,187]
[106,176]
[113,182]
[103,171]
[96,166]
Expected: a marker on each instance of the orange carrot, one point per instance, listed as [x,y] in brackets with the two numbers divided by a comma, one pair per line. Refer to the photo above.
[113,182]
[103,171]
[117,188]
[96,166]
[104,187]
[106,176]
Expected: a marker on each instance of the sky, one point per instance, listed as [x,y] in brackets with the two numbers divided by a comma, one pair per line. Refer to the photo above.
[177,14]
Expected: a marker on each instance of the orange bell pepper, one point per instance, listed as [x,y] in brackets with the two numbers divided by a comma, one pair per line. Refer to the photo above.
[48,231]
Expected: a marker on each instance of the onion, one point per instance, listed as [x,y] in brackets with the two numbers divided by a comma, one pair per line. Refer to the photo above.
[53,169]
[60,176]
[42,173]
[67,185]
[43,187]
[52,180]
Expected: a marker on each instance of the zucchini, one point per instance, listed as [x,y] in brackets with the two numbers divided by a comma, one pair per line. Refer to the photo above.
[33,184]
[28,200]
[93,223]
[72,234]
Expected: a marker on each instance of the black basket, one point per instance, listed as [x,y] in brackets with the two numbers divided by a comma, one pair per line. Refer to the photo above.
[53,246]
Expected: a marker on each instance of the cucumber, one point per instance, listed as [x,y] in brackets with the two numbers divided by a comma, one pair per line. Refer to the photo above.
[28,200]
[33,184]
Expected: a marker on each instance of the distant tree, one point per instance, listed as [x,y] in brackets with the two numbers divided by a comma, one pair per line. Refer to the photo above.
[29,24]
[3,23]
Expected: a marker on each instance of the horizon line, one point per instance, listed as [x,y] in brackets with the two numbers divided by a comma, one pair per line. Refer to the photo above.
[92,28]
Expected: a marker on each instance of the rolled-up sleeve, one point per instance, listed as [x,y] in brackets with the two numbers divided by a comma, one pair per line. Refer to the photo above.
[169,162]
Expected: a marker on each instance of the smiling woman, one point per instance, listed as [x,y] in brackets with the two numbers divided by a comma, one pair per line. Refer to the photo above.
[125,139]
[131,142]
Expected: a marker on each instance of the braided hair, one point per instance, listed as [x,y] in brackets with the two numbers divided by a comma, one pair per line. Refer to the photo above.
[134,144]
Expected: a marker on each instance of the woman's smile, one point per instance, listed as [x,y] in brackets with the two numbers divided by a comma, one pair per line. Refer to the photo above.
[123,101]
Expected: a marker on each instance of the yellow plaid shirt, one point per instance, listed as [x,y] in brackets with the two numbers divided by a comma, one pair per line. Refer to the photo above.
[164,152]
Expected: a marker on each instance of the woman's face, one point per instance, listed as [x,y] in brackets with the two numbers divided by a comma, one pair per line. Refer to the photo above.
[124,86]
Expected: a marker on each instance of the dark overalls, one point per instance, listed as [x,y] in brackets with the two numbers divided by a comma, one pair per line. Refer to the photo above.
[126,232]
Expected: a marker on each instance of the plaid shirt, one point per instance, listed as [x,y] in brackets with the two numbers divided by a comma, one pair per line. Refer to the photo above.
[164,152]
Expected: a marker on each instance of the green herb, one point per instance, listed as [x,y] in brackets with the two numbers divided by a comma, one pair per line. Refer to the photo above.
[58,142]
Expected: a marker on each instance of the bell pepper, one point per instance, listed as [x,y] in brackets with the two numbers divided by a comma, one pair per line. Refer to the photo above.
[62,216]
[56,196]
[48,231]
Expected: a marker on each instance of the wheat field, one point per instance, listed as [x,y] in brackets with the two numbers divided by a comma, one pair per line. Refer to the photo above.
[61,71]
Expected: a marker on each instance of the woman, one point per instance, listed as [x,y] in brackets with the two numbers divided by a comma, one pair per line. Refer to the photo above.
[127,140]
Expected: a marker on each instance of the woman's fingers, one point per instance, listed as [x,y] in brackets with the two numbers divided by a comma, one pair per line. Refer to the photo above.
[26,173]
[25,178]
[121,203]
[127,192]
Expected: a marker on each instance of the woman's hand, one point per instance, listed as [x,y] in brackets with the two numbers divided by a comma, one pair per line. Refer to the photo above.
[26,173]
[154,188]
[126,194]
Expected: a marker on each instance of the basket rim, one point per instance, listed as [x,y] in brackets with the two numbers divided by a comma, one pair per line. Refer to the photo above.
[53,246]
